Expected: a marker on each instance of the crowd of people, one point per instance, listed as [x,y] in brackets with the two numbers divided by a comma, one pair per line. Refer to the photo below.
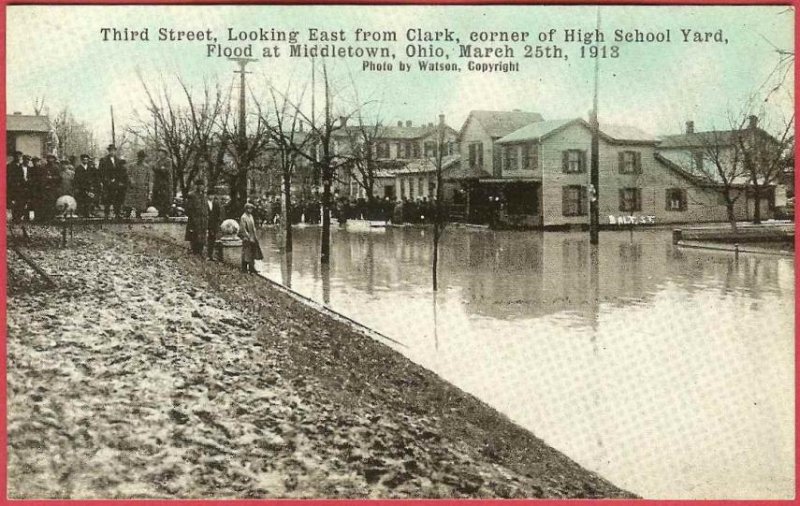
[110,186]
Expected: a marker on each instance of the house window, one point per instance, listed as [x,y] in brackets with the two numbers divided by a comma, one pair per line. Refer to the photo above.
[530,156]
[630,162]
[383,150]
[630,199]
[430,149]
[402,188]
[573,161]
[511,157]
[476,154]
[411,189]
[676,199]
[573,200]
[415,149]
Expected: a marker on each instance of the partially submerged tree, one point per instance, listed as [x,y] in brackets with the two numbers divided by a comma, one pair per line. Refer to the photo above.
[284,129]
[438,213]
[764,157]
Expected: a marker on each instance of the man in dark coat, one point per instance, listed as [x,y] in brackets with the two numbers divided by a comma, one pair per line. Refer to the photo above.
[46,182]
[214,221]
[108,174]
[162,183]
[17,186]
[197,212]
[87,186]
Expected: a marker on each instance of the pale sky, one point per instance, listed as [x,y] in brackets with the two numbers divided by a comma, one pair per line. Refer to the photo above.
[56,52]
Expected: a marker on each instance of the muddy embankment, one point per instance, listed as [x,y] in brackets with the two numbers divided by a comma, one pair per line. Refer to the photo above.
[146,373]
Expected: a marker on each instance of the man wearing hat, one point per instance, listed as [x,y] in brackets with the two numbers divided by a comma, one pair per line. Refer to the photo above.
[162,183]
[87,184]
[17,186]
[109,174]
[45,183]
[197,212]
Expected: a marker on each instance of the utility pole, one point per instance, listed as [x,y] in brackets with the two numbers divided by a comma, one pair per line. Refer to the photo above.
[113,133]
[594,193]
[241,176]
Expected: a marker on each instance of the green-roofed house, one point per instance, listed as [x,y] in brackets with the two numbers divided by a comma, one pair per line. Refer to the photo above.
[636,185]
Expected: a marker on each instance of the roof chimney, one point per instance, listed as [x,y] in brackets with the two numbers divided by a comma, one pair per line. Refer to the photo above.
[690,127]
[400,123]
[17,113]
[441,119]
[753,121]
[408,124]
[343,120]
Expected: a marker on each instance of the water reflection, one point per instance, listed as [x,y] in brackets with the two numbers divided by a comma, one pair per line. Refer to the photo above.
[668,371]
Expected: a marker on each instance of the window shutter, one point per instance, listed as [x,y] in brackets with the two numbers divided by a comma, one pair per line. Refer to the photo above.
[480,155]
[667,199]
[583,161]
[684,200]
[584,199]
[565,200]
[638,162]
[621,157]
[564,161]
[621,199]
[638,194]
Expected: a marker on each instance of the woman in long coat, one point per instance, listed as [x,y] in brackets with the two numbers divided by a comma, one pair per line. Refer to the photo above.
[251,250]
[138,185]
[197,212]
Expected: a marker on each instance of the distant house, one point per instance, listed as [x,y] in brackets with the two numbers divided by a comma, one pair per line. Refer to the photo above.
[695,152]
[417,178]
[635,183]
[33,135]
[482,129]
[393,148]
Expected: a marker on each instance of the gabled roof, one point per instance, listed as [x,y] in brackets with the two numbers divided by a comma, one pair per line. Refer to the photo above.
[695,179]
[461,171]
[701,139]
[27,123]
[611,133]
[426,165]
[500,123]
[391,132]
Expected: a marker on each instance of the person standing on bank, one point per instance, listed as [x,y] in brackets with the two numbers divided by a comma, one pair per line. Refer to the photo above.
[108,173]
[49,185]
[138,185]
[214,221]
[162,183]
[251,250]
[86,184]
[17,186]
[197,212]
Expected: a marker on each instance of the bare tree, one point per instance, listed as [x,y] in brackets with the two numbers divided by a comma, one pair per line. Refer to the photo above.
[764,156]
[175,131]
[74,137]
[248,143]
[362,154]
[438,213]
[284,130]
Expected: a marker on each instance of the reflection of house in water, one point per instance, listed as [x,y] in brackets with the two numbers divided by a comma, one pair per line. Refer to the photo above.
[512,275]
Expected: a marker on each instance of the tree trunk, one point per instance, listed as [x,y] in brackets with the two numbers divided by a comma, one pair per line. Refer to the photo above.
[757,206]
[325,250]
[729,205]
[287,212]
[434,269]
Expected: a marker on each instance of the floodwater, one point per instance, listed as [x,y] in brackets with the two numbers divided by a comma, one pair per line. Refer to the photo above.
[668,371]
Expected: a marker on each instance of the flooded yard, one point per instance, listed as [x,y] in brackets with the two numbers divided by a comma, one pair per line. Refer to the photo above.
[670,372]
